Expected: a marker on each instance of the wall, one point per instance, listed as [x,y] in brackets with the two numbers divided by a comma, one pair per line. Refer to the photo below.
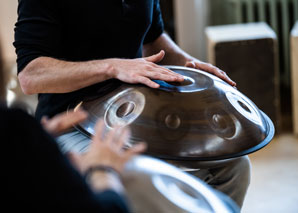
[8,17]
[191,18]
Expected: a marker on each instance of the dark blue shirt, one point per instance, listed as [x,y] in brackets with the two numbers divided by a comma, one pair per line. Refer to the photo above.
[75,30]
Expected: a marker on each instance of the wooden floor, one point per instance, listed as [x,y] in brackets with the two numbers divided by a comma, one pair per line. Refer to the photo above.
[274,184]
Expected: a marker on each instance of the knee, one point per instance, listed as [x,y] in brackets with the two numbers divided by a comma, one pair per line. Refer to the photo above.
[245,164]
[238,173]
[243,167]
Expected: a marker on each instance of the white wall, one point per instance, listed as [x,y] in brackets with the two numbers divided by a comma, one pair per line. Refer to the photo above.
[8,17]
[191,18]
[294,75]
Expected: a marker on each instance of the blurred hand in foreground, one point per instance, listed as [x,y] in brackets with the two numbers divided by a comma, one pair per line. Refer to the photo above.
[63,121]
[107,151]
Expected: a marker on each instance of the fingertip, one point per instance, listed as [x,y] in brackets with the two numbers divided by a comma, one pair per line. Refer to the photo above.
[144,145]
[231,82]
[162,52]
[44,119]
[156,57]
[181,78]
[140,147]
[155,85]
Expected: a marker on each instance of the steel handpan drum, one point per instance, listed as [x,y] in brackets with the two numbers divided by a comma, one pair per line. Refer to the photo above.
[165,188]
[201,118]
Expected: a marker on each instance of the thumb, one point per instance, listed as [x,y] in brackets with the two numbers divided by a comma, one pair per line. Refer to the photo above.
[190,64]
[156,58]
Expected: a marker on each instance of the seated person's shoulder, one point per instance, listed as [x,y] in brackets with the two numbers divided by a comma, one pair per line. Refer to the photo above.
[16,125]
[11,114]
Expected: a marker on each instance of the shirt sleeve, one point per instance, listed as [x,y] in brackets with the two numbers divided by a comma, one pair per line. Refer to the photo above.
[157,26]
[37,30]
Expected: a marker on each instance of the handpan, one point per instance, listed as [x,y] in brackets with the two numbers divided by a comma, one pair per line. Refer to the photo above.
[165,188]
[201,118]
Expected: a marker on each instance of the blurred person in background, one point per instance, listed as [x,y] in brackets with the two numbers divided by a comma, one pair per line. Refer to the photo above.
[36,176]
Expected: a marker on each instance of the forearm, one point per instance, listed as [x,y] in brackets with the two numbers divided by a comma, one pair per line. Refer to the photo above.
[174,54]
[49,75]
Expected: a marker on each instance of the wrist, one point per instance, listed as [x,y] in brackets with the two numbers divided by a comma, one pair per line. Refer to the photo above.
[110,69]
[102,178]
[100,168]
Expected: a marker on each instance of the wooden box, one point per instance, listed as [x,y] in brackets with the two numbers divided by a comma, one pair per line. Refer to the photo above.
[248,53]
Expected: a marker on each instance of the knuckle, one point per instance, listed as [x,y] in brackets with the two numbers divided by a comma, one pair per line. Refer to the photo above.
[157,75]
[134,76]
[137,79]
[147,66]
[59,125]
[142,79]
[167,71]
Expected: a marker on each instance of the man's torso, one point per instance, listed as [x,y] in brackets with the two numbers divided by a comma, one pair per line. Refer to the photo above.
[80,31]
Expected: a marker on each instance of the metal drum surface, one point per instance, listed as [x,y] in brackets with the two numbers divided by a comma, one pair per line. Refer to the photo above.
[202,118]
[152,185]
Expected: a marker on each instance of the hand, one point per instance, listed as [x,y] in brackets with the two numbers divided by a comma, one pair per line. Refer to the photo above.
[143,70]
[197,64]
[62,122]
[107,151]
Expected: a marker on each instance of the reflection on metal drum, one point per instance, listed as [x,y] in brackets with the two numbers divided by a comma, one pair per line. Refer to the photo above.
[202,118]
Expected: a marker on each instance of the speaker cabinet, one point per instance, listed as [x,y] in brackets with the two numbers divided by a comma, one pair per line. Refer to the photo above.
[248,53]
[294,73]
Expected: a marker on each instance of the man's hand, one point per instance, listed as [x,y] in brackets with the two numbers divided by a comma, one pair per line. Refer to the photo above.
[143,70]
[176,56]
[197,64]
[62,122]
